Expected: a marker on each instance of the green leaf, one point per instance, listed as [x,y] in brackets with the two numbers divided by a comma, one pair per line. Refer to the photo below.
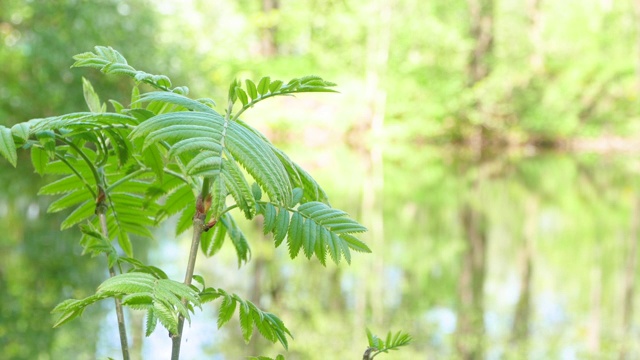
[151,323]
[333,244]
[232,91]
[8,146]
[321,249]
[211,246]
[66,317]
[176,99]
[263,85]
[206,163]
[279,329]
[218,194]
[91,97]
[370,338]
[179,126]
[135,97]
[81,213]
[227,308]
[251,89]
[95,242]
[344,248]
[256,156]
[125,243]
[199,279]
[275,86]
[162,81]
[178,200]
[138,300]
[39,159]
[117,107]
[68,200]
[21,131]
[237,237]
[237,185]
[194,145]
[309,236]
[355,244]
[153,158]
[129,283]
[257,192]
[297,196]
[242,95]
[186,219]
[281,227]
[270,214]
[263,326]
[295,234]
[246,322]
[166,316]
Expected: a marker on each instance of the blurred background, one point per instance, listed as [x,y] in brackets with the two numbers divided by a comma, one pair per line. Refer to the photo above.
[490,146]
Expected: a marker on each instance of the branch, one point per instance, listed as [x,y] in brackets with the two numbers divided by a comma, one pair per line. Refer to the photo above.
[101,211]
[198,229]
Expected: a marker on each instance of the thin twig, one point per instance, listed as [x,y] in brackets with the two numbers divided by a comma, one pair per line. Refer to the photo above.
[122,329]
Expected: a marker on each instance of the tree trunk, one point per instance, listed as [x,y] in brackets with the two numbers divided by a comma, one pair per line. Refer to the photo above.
[480,59]
[536,26]
[594,330]
[372,127]
[481,30]
[629,280]
[470,325]
[269,29]
[636,4]
[520,333]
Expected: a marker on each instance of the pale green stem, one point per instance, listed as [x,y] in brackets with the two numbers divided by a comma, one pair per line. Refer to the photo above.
[122,329]
[198,229]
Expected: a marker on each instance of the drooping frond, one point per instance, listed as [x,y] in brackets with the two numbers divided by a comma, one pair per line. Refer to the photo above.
[128,212]
[314,228]
[392,341]
[226,228]
[268,324]
[176,99]
[110,61]
[298,177]
[162,298]
[211,146]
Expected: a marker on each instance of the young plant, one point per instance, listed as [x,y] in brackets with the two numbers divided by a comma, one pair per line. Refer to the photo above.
[126,171]
[378,346]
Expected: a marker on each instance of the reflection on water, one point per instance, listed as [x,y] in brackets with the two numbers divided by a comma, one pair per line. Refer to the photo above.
[502,258]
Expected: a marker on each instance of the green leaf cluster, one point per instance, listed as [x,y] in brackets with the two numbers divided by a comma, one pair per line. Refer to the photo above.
[110,61]
[269,325]
[162,299]
[391,342]
[279,357]
[315,228]
[266,88]
[122,172]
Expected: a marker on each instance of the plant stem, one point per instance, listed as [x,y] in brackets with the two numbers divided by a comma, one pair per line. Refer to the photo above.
[367,354]
[124,345]
[198,229]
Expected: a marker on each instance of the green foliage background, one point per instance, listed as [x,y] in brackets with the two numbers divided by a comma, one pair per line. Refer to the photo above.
[586,89]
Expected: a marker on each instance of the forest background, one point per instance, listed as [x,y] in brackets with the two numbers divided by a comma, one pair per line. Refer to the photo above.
[488,145]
